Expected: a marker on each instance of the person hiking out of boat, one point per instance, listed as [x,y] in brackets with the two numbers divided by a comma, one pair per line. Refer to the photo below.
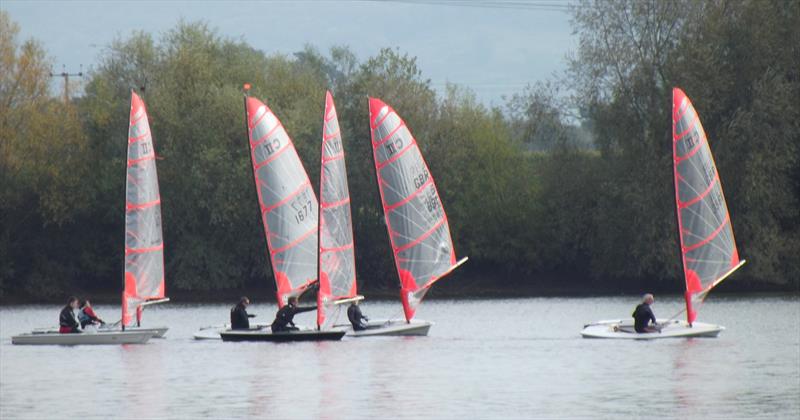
[66,320]
[86,315]
[355,316]
[643,315]
[240,319]
[284,319]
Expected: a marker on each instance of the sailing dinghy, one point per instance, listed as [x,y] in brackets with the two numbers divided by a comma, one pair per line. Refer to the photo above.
[144,247]
[336,254]
[415,219]
[337,269]
[708,248]
[98,338]
[289,212]
[144,242]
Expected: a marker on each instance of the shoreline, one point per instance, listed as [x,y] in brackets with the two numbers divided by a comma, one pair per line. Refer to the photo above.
[442,293]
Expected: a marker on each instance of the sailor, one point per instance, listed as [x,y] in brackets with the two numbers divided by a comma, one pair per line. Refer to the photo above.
[643,315]
[66,320]
[285,316]
[355,316]
[239,316]
[86,316]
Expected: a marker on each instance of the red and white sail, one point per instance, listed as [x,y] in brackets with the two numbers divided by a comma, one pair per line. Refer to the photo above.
[708,247]
[144,244]
[337,268]
[415,218]
[287,202]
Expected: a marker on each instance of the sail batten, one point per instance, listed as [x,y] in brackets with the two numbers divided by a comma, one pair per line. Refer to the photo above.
[708,247]
[415,219]
[144,245]
[286,200]
[337,272]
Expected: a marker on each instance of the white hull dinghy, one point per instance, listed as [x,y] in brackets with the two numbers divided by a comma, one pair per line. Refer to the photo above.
[157,332]
[623,329]
[98,338]
[143,282]
[414,216]
[337,267]
[418,228]
[389,327]
[708,249]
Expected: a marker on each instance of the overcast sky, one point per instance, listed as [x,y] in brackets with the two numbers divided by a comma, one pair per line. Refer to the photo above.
[493,47]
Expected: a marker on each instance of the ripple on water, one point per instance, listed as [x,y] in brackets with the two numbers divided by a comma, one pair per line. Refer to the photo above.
[484,358]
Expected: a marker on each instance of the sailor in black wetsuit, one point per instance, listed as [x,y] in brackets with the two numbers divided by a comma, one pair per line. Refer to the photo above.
[285,316]
[240,319]
[66,319]
[643,315]
[355,316]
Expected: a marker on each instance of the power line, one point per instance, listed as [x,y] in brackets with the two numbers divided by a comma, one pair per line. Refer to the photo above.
[537,5]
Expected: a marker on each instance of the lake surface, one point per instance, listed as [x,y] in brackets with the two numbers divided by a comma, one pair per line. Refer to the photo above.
[517,358]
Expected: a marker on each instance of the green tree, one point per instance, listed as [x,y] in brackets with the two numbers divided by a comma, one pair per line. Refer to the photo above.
[730,57]
[42,171]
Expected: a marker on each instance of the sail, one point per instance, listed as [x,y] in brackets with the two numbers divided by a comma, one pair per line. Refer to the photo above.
[708,248]
[415,218]
[337,268]
[144,244]
[287,202]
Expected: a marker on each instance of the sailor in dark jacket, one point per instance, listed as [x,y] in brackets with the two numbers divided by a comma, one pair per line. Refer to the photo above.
[643,315]
[355,316]
[284,319]
[66,319]
[240,319]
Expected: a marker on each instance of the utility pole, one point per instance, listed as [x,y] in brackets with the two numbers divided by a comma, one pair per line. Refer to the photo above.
[66,77]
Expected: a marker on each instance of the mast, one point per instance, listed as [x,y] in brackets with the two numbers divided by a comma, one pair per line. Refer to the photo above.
[319,218]
[678,214]
[123,306]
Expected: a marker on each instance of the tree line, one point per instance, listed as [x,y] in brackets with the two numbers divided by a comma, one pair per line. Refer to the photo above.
[568,183]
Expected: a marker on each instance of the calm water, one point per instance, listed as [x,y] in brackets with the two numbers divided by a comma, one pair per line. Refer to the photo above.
[483,359]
